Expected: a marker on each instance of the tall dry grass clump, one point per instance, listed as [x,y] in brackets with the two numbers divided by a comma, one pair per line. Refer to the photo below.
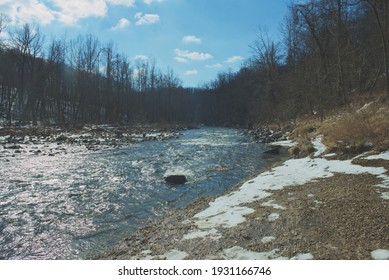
[359,129]
[304,130]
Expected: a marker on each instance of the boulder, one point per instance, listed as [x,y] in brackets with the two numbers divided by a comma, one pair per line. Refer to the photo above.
[176,179]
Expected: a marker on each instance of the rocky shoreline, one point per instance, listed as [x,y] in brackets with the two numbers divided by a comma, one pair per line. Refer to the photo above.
[267,135]
[56,140]
[52,141]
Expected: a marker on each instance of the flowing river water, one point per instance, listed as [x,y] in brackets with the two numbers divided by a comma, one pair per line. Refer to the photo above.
[77,205]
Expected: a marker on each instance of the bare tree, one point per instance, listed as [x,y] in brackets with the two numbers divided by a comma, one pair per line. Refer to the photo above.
[268,58]
[85,58]
[28,43]
[55,72]
[380,9]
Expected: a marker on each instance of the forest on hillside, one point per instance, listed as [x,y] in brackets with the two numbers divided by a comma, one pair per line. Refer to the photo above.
[330,50]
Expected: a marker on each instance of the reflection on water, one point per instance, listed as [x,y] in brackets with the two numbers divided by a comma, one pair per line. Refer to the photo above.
[76,205]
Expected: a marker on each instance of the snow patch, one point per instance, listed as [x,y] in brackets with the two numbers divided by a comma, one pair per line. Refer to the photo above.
[285,143]
[213,234]
[318,145]
[271,204]
[380,254]
[307,256]
[239,253]
[273,216]
[226,211]
[385,195]
[169,255]
[226,217]
[385,181]
[267,239]
[384,155]
[330,155]
[175,255]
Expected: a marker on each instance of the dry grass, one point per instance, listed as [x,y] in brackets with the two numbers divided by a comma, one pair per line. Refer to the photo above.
[305,129]
[362,126]
[303,148]
[359,129]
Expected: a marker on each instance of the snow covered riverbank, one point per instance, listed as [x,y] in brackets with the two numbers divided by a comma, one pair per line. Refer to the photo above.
[342,205]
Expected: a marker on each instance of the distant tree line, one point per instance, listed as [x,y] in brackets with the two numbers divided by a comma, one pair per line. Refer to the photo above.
[331,49]
[84,81]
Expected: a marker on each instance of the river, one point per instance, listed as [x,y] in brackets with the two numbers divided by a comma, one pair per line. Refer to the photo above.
[74,206]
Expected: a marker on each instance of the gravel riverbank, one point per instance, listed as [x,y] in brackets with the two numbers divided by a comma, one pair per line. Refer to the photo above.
[312,208]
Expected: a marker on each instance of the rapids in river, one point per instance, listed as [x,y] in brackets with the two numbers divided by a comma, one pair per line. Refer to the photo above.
[77,205]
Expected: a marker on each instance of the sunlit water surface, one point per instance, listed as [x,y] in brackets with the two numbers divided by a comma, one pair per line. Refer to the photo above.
[78,205]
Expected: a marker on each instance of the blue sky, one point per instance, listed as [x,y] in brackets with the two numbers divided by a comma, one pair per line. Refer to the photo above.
[195,38]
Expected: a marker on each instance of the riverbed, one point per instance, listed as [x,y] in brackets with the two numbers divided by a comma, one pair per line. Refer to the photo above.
[78,204]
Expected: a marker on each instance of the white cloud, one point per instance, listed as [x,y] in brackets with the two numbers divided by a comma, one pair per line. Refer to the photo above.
[72,11]
[192,55]
[141,57]
[149,2]
[123,23]
[191,39]
[146,19]
[234,59]
[20,11]
[191,72]
[138,72]
[180,59]
[128,3]
[68,12]
[217,65]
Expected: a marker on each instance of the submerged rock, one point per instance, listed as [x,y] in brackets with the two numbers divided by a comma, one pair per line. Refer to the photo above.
[176,179]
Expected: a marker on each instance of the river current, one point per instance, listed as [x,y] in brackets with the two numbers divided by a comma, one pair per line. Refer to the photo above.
[74,206]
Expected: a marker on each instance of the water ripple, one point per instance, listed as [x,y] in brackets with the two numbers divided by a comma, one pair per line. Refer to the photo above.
[75,205]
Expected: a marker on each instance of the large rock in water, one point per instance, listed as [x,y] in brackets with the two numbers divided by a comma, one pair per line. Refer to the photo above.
[176,179]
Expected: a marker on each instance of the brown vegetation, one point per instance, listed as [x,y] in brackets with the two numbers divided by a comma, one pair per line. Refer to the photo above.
[361,126]
[358,129]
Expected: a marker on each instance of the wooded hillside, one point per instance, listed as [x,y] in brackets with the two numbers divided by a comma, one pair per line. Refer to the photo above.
[331,49]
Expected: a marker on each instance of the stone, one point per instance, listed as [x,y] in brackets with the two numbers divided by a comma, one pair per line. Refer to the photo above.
[176,179]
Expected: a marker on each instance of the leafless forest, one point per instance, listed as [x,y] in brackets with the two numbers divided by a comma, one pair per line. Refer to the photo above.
[330,50]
